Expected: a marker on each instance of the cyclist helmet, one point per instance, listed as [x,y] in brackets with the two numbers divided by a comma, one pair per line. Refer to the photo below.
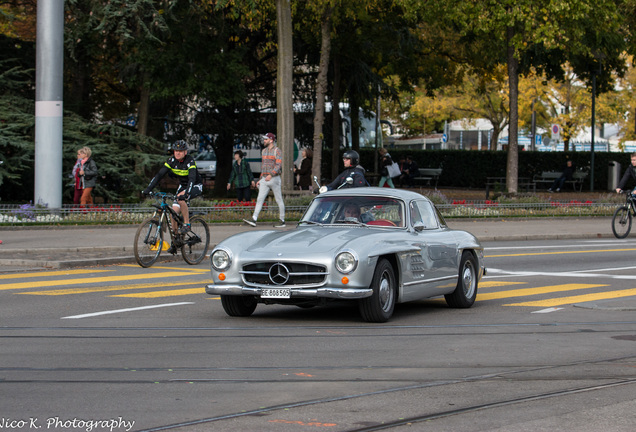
[353,155]
[180,145]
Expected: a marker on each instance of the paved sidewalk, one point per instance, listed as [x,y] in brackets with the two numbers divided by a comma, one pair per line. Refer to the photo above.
[77,246]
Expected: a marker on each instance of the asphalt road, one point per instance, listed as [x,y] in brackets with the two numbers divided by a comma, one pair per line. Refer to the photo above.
[549,345]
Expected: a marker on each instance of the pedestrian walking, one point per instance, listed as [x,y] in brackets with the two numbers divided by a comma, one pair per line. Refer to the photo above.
[304,172]
[385,163]
[271,168]
[242,177]
[85,175]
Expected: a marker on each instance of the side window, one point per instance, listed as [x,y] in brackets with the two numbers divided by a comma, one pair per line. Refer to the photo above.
[415,214]
[440,218]
[427,214]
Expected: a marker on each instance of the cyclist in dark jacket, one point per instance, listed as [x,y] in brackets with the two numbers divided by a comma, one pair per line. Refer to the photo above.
[630,172]
[182,167]
[351,160]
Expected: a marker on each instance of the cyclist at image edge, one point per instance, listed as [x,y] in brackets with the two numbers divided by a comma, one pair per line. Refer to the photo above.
[182,167]
[630,172]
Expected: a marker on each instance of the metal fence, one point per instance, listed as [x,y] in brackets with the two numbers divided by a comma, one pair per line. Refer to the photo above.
[131,214]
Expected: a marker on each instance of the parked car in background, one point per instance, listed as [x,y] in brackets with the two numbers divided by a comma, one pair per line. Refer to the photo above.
[206,163]
[375,246]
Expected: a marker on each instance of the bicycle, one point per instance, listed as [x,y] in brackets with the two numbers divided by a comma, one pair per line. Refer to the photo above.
[149,239]
[622,220]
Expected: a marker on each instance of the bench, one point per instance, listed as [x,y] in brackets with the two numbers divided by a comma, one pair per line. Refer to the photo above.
[522,182]
[578,178]
[428,174]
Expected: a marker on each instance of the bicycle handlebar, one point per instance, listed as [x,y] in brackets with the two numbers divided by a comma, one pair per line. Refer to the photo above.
[162,195]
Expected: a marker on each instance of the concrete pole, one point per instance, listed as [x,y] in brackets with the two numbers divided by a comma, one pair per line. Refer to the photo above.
[49,73]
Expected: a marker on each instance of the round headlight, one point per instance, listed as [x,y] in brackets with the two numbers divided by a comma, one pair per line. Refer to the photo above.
[346,262]
[221,260]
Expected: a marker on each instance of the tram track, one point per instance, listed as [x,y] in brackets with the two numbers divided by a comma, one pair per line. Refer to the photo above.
[607,383]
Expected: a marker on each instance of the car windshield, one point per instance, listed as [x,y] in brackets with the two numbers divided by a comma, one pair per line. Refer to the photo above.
[367,210]
[205,156]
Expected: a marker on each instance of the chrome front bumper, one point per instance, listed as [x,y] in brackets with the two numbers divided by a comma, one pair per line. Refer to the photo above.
[325,292]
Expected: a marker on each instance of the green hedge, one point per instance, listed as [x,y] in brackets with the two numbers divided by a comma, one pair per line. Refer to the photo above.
[469,168]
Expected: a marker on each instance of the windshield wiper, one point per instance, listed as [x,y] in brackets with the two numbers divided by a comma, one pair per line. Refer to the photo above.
[350,220]
[310,222]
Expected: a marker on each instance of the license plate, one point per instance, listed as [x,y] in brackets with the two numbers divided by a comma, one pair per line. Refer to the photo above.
[276,293]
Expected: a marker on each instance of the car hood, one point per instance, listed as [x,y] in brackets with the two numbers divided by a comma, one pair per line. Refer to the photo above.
[315,240]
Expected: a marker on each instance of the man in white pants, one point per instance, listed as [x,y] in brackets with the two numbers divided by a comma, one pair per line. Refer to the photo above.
[271,167]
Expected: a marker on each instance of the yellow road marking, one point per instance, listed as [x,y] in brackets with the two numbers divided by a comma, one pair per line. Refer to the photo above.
[38,284]
[107,288]
[490,284]
[188,269]
[533,291]
[50,273]
[167,293]
[579,299]
[558,253]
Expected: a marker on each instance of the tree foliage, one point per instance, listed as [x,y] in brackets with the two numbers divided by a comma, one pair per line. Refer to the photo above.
[184,68]
[116,150]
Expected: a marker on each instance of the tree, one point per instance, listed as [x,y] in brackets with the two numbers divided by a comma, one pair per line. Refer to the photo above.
[114,44]
[539,34]
[569,106]
[114,147]
[284,91]
[321,87]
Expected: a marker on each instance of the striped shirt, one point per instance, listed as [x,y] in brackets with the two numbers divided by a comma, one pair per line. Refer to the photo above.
[271,162]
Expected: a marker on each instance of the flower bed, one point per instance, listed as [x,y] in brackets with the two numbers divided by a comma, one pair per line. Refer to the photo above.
[233,211]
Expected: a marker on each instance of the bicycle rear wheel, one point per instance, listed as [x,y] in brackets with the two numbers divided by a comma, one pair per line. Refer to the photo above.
[196,241]
[622,222]
[148,242]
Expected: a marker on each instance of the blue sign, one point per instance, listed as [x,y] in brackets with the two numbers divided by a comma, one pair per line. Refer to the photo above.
[444,138]
[537,140]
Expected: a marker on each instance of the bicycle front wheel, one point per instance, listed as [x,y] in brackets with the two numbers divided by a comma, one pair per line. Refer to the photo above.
[148,242]
[196,241]
[622,222]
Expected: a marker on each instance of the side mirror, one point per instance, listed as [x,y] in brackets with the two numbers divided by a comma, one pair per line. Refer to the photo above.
[348,181]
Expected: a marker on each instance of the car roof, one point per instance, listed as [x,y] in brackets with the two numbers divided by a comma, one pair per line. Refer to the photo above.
[402,194]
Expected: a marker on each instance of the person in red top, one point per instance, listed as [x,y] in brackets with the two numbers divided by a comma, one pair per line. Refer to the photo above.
[271,167]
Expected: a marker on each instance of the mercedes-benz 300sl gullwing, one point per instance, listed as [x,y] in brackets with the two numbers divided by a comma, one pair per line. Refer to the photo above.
[375,246]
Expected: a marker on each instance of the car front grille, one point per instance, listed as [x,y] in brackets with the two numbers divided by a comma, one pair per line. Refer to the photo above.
[284,274]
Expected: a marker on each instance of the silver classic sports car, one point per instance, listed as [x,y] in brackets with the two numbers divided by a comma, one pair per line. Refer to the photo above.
[375,246]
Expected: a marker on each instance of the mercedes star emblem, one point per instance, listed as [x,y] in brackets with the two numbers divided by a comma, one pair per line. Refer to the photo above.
[278,274]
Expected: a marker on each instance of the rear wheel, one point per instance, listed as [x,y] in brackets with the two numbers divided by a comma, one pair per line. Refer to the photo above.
[238,306]
[622,222]
[148,242]
[196,241]
[379,307]
[466,291]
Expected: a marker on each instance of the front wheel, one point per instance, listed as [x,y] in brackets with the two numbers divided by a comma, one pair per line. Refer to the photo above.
[148,242]
[379,307]
[238,306]
[196,241]
[622,222]
[466,290]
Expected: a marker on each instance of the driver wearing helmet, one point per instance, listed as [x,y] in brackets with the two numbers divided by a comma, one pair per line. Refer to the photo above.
[353,169]
[181,166]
